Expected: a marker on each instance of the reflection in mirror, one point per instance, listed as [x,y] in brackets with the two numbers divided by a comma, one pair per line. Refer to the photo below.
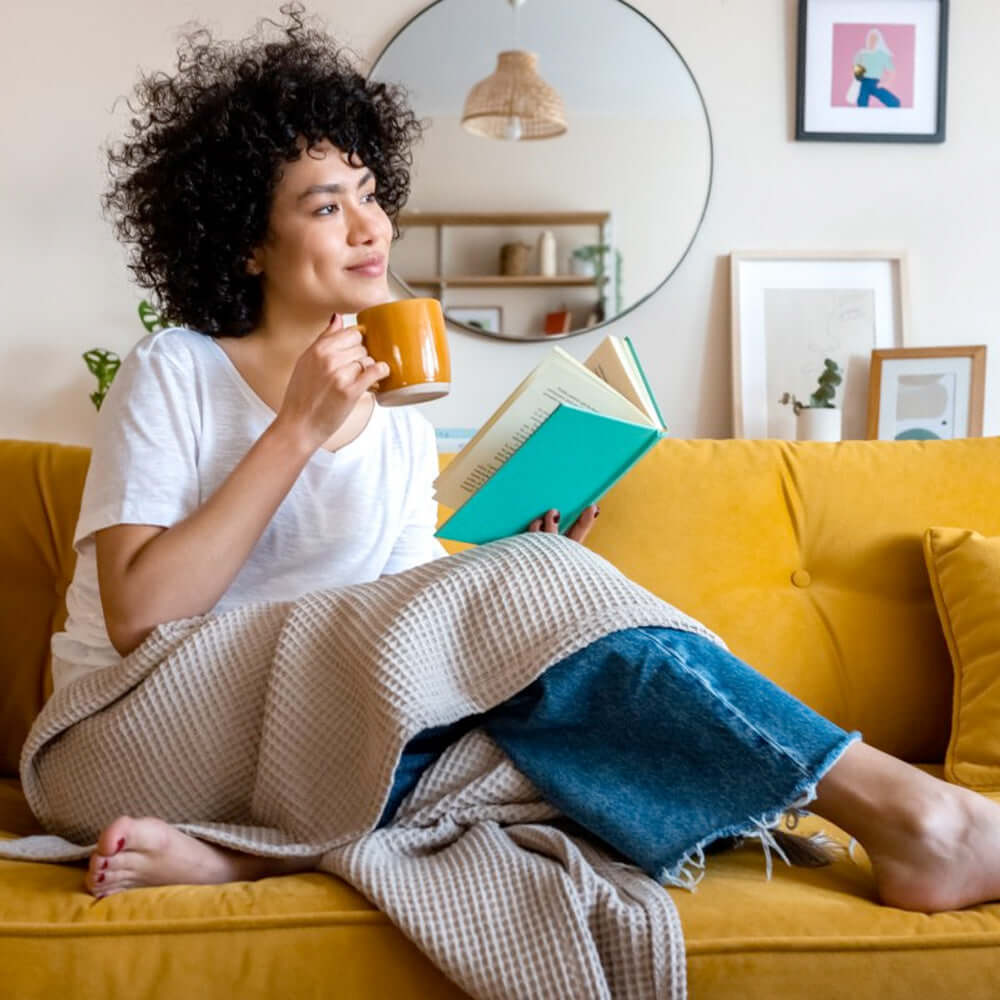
[558,233]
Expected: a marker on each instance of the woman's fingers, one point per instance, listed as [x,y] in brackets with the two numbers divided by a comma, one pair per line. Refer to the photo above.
[372,371]
[549,521]
[583,524]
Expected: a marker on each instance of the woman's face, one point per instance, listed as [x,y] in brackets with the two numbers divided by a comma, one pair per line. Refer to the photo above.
[327,249]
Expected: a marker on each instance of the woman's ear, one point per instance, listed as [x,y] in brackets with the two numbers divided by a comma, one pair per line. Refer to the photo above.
[254,265]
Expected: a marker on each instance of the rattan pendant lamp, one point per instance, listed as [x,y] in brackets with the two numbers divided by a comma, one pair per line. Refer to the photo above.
[514,102]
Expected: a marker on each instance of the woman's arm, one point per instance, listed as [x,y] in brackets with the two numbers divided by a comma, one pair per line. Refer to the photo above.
[149,574]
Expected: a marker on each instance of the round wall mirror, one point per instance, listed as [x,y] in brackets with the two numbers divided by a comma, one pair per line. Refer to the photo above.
[576,183]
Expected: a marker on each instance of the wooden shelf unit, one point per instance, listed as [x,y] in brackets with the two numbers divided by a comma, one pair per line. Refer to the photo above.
[441,221]
[501,280]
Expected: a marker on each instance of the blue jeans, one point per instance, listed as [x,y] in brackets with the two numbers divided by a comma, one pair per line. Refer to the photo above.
[870,88]
[657,741]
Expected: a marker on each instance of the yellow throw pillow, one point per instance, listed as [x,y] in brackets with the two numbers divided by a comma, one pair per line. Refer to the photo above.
[964,569]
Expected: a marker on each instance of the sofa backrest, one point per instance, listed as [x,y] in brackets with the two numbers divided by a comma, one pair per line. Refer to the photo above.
[805,557]
[39,504]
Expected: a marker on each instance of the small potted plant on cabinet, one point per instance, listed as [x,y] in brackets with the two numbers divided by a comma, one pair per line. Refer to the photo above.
[819,419]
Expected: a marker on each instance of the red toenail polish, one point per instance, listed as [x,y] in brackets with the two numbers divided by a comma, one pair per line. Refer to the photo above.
[104,865]
[100,878]
[121,844]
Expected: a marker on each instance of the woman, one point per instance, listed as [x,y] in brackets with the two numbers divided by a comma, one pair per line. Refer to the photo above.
[875,70]
[242,457]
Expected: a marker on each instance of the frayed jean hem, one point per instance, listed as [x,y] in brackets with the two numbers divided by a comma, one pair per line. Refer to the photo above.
[690,870]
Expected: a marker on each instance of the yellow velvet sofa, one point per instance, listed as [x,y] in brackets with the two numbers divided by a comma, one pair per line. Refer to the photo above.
[806,557]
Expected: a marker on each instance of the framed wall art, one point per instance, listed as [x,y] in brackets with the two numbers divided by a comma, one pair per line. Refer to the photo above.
[872,70]
[927,393]
[485,318]
[791,311]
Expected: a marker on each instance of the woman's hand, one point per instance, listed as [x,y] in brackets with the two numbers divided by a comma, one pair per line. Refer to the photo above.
[327,381]
[549,521]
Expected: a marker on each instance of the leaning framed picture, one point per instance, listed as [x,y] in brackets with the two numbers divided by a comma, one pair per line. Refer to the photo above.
[793,310]
[489,319]
[927,393]
[872,70]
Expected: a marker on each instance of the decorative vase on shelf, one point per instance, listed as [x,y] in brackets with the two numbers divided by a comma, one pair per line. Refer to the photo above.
[547,254]
[514,258]
[818,423]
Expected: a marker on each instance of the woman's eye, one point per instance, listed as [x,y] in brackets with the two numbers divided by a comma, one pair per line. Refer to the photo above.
[328,210]
[371,196]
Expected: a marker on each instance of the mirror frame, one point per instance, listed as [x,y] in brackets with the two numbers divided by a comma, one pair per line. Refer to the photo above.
[528,338]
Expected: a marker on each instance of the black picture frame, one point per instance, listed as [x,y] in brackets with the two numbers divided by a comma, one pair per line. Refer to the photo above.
[803,133]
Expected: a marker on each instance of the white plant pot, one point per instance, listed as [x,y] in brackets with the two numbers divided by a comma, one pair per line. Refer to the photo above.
[819,423]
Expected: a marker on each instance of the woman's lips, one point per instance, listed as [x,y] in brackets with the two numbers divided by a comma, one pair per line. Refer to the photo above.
[373,268]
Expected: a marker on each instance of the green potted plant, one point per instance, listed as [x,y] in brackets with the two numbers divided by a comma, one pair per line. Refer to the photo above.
[104,364]
[819,419]
[589,259]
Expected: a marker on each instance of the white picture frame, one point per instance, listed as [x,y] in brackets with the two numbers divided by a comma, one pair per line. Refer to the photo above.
[792,309]
[486,319]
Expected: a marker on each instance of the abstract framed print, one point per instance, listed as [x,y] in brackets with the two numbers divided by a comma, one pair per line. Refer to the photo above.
[927,393]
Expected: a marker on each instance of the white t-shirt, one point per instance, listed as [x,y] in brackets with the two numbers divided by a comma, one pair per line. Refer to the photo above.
[176,421]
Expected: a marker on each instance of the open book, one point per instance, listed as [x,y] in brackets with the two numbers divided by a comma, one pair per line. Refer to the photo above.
[561,440]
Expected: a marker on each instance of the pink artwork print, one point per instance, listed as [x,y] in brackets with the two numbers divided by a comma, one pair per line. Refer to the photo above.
[873,65]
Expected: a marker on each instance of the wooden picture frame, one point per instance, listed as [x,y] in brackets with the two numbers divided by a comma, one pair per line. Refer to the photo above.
[944,400]
[792,309]
[838,97]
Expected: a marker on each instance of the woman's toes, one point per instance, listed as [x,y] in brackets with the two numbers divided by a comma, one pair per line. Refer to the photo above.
[105,868]
[114,837]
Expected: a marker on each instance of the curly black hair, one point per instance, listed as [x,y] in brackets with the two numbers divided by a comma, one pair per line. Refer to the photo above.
[194,178]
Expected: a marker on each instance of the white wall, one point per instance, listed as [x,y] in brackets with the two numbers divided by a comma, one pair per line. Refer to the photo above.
[64,288]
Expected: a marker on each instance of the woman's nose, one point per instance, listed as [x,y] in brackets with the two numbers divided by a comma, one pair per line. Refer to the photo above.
[362,226]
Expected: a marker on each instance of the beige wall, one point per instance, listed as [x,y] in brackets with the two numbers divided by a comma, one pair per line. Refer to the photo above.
[64,289]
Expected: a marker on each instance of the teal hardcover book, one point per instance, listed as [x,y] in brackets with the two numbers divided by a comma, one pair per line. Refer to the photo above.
[571,460]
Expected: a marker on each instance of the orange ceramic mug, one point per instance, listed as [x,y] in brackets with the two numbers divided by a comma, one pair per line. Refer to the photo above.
[409,336]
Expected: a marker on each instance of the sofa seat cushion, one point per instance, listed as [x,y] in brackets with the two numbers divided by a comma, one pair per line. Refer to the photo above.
[820,933]
[807,933]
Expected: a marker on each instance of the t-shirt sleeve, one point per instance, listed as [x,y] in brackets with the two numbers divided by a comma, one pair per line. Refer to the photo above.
[143,466]
[416,543]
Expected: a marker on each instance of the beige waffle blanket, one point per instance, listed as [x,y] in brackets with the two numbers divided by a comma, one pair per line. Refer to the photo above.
[276,729]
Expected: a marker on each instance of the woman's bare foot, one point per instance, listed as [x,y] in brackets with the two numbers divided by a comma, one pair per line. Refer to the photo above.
[933,845]
[139,852]
[945,858]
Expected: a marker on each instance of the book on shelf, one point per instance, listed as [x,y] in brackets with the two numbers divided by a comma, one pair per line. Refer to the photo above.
[560,441]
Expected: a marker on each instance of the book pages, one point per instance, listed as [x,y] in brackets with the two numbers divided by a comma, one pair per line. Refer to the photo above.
[560,378]
[612,361]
